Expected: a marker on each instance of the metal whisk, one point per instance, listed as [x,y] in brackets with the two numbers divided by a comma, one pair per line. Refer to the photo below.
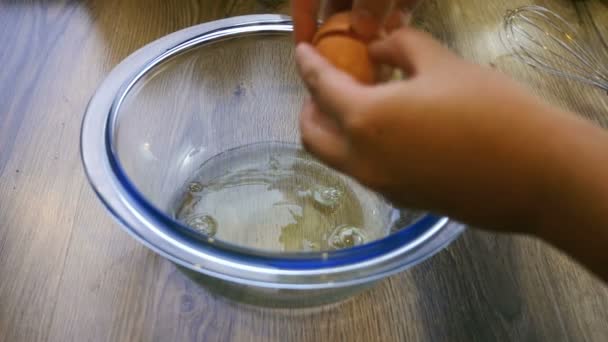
[546,41]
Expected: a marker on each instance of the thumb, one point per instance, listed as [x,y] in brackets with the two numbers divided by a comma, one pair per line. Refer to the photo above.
[334,91]
[408,49]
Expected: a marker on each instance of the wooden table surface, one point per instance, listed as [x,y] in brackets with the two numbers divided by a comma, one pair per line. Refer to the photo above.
[69,273]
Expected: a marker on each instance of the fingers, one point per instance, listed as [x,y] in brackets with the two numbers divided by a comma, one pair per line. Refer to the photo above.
[397,19]
[335,6]
[407,5]
[334,91]
[401,15]
[369,16]
[304,13]
[408,49]
[322,136]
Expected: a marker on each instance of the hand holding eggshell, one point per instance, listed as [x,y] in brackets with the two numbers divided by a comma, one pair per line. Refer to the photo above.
[336,41]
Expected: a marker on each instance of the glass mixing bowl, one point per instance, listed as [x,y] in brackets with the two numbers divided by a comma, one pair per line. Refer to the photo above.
[205,120]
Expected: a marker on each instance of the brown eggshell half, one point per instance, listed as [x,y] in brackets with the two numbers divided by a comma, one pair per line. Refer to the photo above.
[340,23]
[337,42]
[349,55]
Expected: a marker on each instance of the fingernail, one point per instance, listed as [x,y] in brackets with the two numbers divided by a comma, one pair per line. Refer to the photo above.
[303,51]
[307,103]
[406,18]
[305,55]
[397,19]
[300,49]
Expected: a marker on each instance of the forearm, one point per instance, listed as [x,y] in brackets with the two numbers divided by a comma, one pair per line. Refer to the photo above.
[575,216]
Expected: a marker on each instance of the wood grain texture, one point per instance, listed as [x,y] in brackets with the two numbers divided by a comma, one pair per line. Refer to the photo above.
[68,273]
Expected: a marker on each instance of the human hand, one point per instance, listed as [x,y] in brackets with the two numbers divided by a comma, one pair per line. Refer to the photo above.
[454,138]
[369,16]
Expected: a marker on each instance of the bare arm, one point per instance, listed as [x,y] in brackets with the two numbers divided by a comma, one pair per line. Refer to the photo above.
[576,219]
[465,141]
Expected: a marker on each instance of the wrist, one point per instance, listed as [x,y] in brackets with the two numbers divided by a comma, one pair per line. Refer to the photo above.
[574,214]
[576,171]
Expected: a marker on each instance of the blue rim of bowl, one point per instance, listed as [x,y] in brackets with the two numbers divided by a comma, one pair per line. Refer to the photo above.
[301,260]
